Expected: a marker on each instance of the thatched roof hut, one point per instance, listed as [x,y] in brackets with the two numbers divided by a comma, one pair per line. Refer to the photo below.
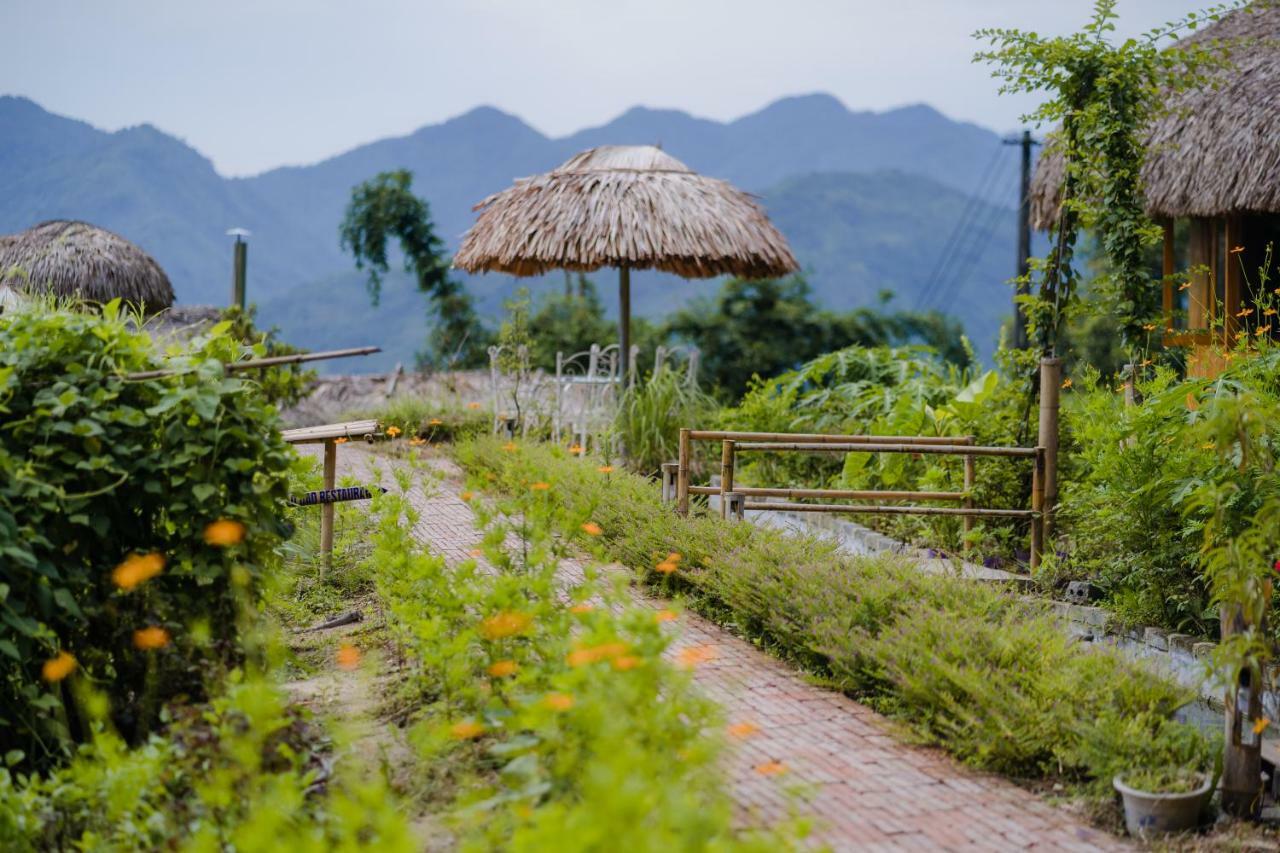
[630,207]
[1217,150]
[79,260]
[624,206]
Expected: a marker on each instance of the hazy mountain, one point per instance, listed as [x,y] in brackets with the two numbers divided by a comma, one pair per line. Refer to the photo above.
[866,199]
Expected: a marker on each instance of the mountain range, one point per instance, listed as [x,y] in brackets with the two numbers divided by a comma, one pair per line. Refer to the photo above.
[869,201]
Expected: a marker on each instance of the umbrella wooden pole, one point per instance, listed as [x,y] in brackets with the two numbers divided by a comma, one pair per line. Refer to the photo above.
[624,322]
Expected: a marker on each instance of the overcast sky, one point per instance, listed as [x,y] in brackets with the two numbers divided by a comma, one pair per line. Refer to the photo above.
[260,83]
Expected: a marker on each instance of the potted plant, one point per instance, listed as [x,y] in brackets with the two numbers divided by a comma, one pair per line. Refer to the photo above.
[1162,800]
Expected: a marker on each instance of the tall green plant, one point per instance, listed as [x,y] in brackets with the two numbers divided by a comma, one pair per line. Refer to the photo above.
[651,414]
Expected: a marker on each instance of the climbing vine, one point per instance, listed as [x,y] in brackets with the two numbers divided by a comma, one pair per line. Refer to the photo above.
[1103,96]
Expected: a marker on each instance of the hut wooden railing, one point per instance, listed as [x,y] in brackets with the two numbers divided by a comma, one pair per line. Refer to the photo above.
[677,485]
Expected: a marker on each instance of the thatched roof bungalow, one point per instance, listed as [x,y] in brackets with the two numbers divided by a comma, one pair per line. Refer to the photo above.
[78,260]
[1212,177]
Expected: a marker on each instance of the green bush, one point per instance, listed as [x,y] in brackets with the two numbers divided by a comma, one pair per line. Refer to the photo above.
[651,414]
[970,667]
[104,481]
[429,419]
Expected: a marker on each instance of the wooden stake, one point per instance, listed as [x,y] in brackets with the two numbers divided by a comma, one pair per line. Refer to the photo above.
[1037,506]
[682,475]
[326,510]
[624,322]
[1242,751]
[969,474]
[1050,384]
[726,476]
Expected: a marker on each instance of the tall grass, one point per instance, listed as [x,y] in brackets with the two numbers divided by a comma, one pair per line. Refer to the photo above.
[651,414]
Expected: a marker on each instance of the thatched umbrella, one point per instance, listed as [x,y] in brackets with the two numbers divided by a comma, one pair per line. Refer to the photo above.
[76,259]
[630,207]
[1216,150]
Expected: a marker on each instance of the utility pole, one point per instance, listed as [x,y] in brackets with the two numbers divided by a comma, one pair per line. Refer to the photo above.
[239,260]
[1024,237]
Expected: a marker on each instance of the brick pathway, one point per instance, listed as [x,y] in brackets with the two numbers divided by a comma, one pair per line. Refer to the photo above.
[863,787]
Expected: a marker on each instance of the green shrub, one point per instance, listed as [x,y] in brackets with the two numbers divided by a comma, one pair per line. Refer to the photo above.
[970,667]
[429,419]
[98,471]
[651,414]
[550,705]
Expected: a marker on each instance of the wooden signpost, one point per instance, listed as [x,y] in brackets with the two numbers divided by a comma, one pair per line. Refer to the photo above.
[328,435]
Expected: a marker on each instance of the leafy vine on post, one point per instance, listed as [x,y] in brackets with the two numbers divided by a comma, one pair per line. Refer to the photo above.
[385,207]
[1103,96]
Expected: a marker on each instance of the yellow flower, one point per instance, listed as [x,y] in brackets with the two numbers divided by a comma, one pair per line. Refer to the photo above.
[539,487]
[626,662]
[605,469]
[136,569]
[1260,725]
[743,730]
[771,768]
[467,496]
[348,657]
[1208,445]
[695,656]
[434,422]
[466,730]
[224,533]
[510,447]
[503,668]
[1149,327]
[1267,312]
[1066,383]
[558,701]
[393,431]
[1262,330]
[473,405]
[505,624]
[582,608]
[664,616]
[666,567]
[58,667]
[150,638]
[591,528]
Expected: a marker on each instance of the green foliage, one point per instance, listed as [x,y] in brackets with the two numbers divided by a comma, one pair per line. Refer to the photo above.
[96,468]
[242,773]
[761,328]
[1104,95]
[651,414]
[284,385]
[384,208]
[980,672]
[569,322]
[562,724]
[431,419]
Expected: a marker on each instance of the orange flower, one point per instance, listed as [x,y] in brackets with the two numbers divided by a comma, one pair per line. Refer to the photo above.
[592,654]
[136,569]
[605,469]
[1149,327]
[342,440]
[582,608]
[1192,402]
[393,431]
[664,616]
[467,496]
[771,768]
[473,405]
[58,667]
[1262,330]
[510,447]
[150,638]
[348,657]
[503,668]
[417,441]
[576,449]
[539,487]
[505,624]
[1260,725]
[1184,285]
[674,557]
[626,662]
[558,701]
[434,422]
[476,552]
[591,528]
[1244,312]
[224,533]
[1066,383]
[1237,250]
[1268,312]
[743,730]
[695,655]
[466,730]
[666,567]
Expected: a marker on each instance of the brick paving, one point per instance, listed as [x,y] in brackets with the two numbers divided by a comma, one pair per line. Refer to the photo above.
[862,786]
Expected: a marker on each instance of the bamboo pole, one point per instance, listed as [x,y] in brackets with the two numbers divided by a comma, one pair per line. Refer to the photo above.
[1050,387]
[867,447]
[970,470]
[1037,507]
[326,510]
[891,510]
[836,494]
[1242,750]
[669,473]
[270,361]
[726,475]
[624,322]
[822,438]
[682,475]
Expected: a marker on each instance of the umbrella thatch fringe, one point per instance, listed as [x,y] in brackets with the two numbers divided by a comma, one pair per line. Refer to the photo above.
[77,260]
[1216,150]
[632,206]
